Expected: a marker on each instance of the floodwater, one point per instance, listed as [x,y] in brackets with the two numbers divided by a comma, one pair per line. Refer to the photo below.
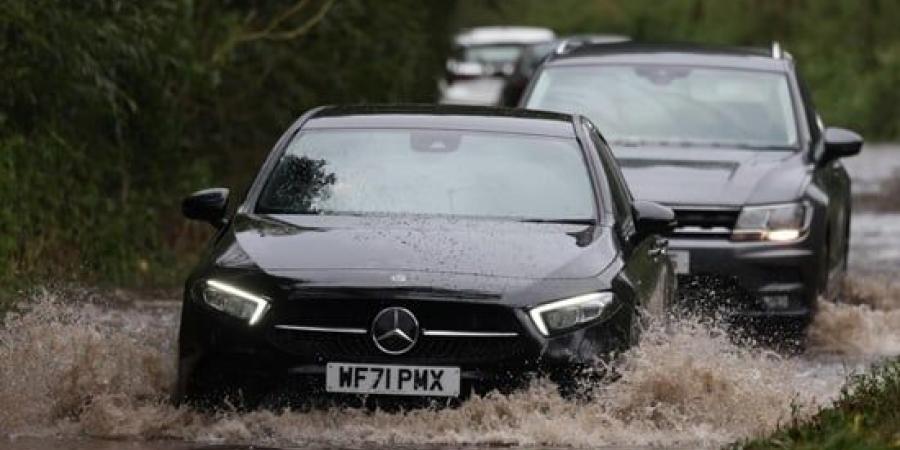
[91,370]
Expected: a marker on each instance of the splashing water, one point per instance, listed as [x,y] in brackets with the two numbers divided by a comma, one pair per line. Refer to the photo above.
[866,324]
[82,368]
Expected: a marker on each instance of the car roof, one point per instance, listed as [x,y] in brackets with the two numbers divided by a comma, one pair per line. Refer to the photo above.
[452,117]
[503,35]
[676,54]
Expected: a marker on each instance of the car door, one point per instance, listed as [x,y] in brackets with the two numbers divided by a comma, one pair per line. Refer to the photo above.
[833,180]
[646,263]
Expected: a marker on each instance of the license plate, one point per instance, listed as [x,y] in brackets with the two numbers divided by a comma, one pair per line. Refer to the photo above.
[392,380]
[681,260]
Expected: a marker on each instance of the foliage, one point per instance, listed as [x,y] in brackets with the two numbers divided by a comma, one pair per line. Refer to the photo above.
[866,416]
[848,50]
[111,110]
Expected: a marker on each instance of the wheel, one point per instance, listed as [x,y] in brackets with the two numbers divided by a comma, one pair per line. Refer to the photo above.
[211,388]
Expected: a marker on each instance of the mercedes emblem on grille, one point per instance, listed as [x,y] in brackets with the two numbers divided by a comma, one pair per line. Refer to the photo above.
[395,330]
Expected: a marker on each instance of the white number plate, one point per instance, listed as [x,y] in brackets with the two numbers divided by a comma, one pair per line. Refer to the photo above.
[681,260]
[392,380]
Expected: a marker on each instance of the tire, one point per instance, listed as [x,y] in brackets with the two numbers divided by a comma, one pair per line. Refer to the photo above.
[210,388]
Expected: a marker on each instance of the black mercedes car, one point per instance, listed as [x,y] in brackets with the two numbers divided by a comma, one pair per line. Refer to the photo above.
[420,251]
[729,138]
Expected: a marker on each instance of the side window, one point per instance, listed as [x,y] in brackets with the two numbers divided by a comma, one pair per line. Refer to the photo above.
[809,109]
[622,198]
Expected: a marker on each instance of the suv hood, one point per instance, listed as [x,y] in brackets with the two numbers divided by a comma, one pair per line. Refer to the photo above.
[293,243]
[712,176]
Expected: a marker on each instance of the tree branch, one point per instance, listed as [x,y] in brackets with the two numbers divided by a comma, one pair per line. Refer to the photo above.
[305,27]
[278,20]
[269,31]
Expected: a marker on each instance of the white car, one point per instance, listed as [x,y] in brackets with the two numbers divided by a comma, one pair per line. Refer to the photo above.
[481,58]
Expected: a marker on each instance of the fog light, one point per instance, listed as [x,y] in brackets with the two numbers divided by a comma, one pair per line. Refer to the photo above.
[780,301]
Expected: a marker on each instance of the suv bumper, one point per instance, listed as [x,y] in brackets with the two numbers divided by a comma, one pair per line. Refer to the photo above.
[750,280]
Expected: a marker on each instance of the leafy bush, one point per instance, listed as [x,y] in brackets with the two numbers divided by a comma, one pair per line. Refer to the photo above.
[111,110]
[866,416]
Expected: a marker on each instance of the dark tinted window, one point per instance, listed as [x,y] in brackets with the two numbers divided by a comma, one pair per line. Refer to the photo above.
[812,118]
[622,198]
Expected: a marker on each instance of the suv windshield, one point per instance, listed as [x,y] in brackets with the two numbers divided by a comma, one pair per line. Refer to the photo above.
[674,105]
[431,172]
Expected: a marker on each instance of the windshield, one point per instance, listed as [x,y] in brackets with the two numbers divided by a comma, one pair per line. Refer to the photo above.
[534,55]
[634,104]
[431,172]
[492,54]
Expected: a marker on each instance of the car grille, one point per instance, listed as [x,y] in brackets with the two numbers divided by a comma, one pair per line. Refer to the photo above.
[358,312]
[325,347]
[713,222]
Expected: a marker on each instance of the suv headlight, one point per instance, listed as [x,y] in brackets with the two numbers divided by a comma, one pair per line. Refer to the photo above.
[777,223]
[233,301]
[567,313]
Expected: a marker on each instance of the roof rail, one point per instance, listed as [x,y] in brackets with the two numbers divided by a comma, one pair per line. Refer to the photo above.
[777,51]
[568,45]
[571,43]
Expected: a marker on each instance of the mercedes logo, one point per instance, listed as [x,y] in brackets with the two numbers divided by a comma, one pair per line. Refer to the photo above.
[395,330]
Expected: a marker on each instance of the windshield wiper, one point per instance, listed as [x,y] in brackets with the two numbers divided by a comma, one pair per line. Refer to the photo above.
[636,142]
[562,221]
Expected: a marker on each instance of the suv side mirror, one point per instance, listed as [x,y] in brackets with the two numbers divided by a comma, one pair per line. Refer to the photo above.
[652,218]
[208,205]
[840,143]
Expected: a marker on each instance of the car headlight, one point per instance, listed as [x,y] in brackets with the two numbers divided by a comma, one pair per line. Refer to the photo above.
[777,223]
[233,301]
[567,313]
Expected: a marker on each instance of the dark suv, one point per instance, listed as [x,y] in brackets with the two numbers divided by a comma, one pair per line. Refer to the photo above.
[730,139]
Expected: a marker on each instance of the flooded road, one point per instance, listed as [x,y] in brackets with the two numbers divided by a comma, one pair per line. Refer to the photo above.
[91,371]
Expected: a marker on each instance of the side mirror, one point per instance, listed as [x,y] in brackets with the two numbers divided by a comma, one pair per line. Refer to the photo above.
[208,205]
[652,218]
[840,143]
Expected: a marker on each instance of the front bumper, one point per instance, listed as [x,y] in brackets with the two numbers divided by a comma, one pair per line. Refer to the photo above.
[750,280]
[216,349]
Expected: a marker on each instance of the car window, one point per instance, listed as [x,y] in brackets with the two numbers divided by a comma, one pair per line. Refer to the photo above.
[812,118]
[431,172]
[622,198]
[673,104]
[490,54]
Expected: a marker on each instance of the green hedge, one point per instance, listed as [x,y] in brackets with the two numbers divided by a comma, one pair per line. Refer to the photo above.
[865,417]
[112,110]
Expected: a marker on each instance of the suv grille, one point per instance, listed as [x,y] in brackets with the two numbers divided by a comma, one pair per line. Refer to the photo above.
[705,221]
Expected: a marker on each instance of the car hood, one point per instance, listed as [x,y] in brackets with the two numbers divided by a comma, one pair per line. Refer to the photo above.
[712,176]
[295,243]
